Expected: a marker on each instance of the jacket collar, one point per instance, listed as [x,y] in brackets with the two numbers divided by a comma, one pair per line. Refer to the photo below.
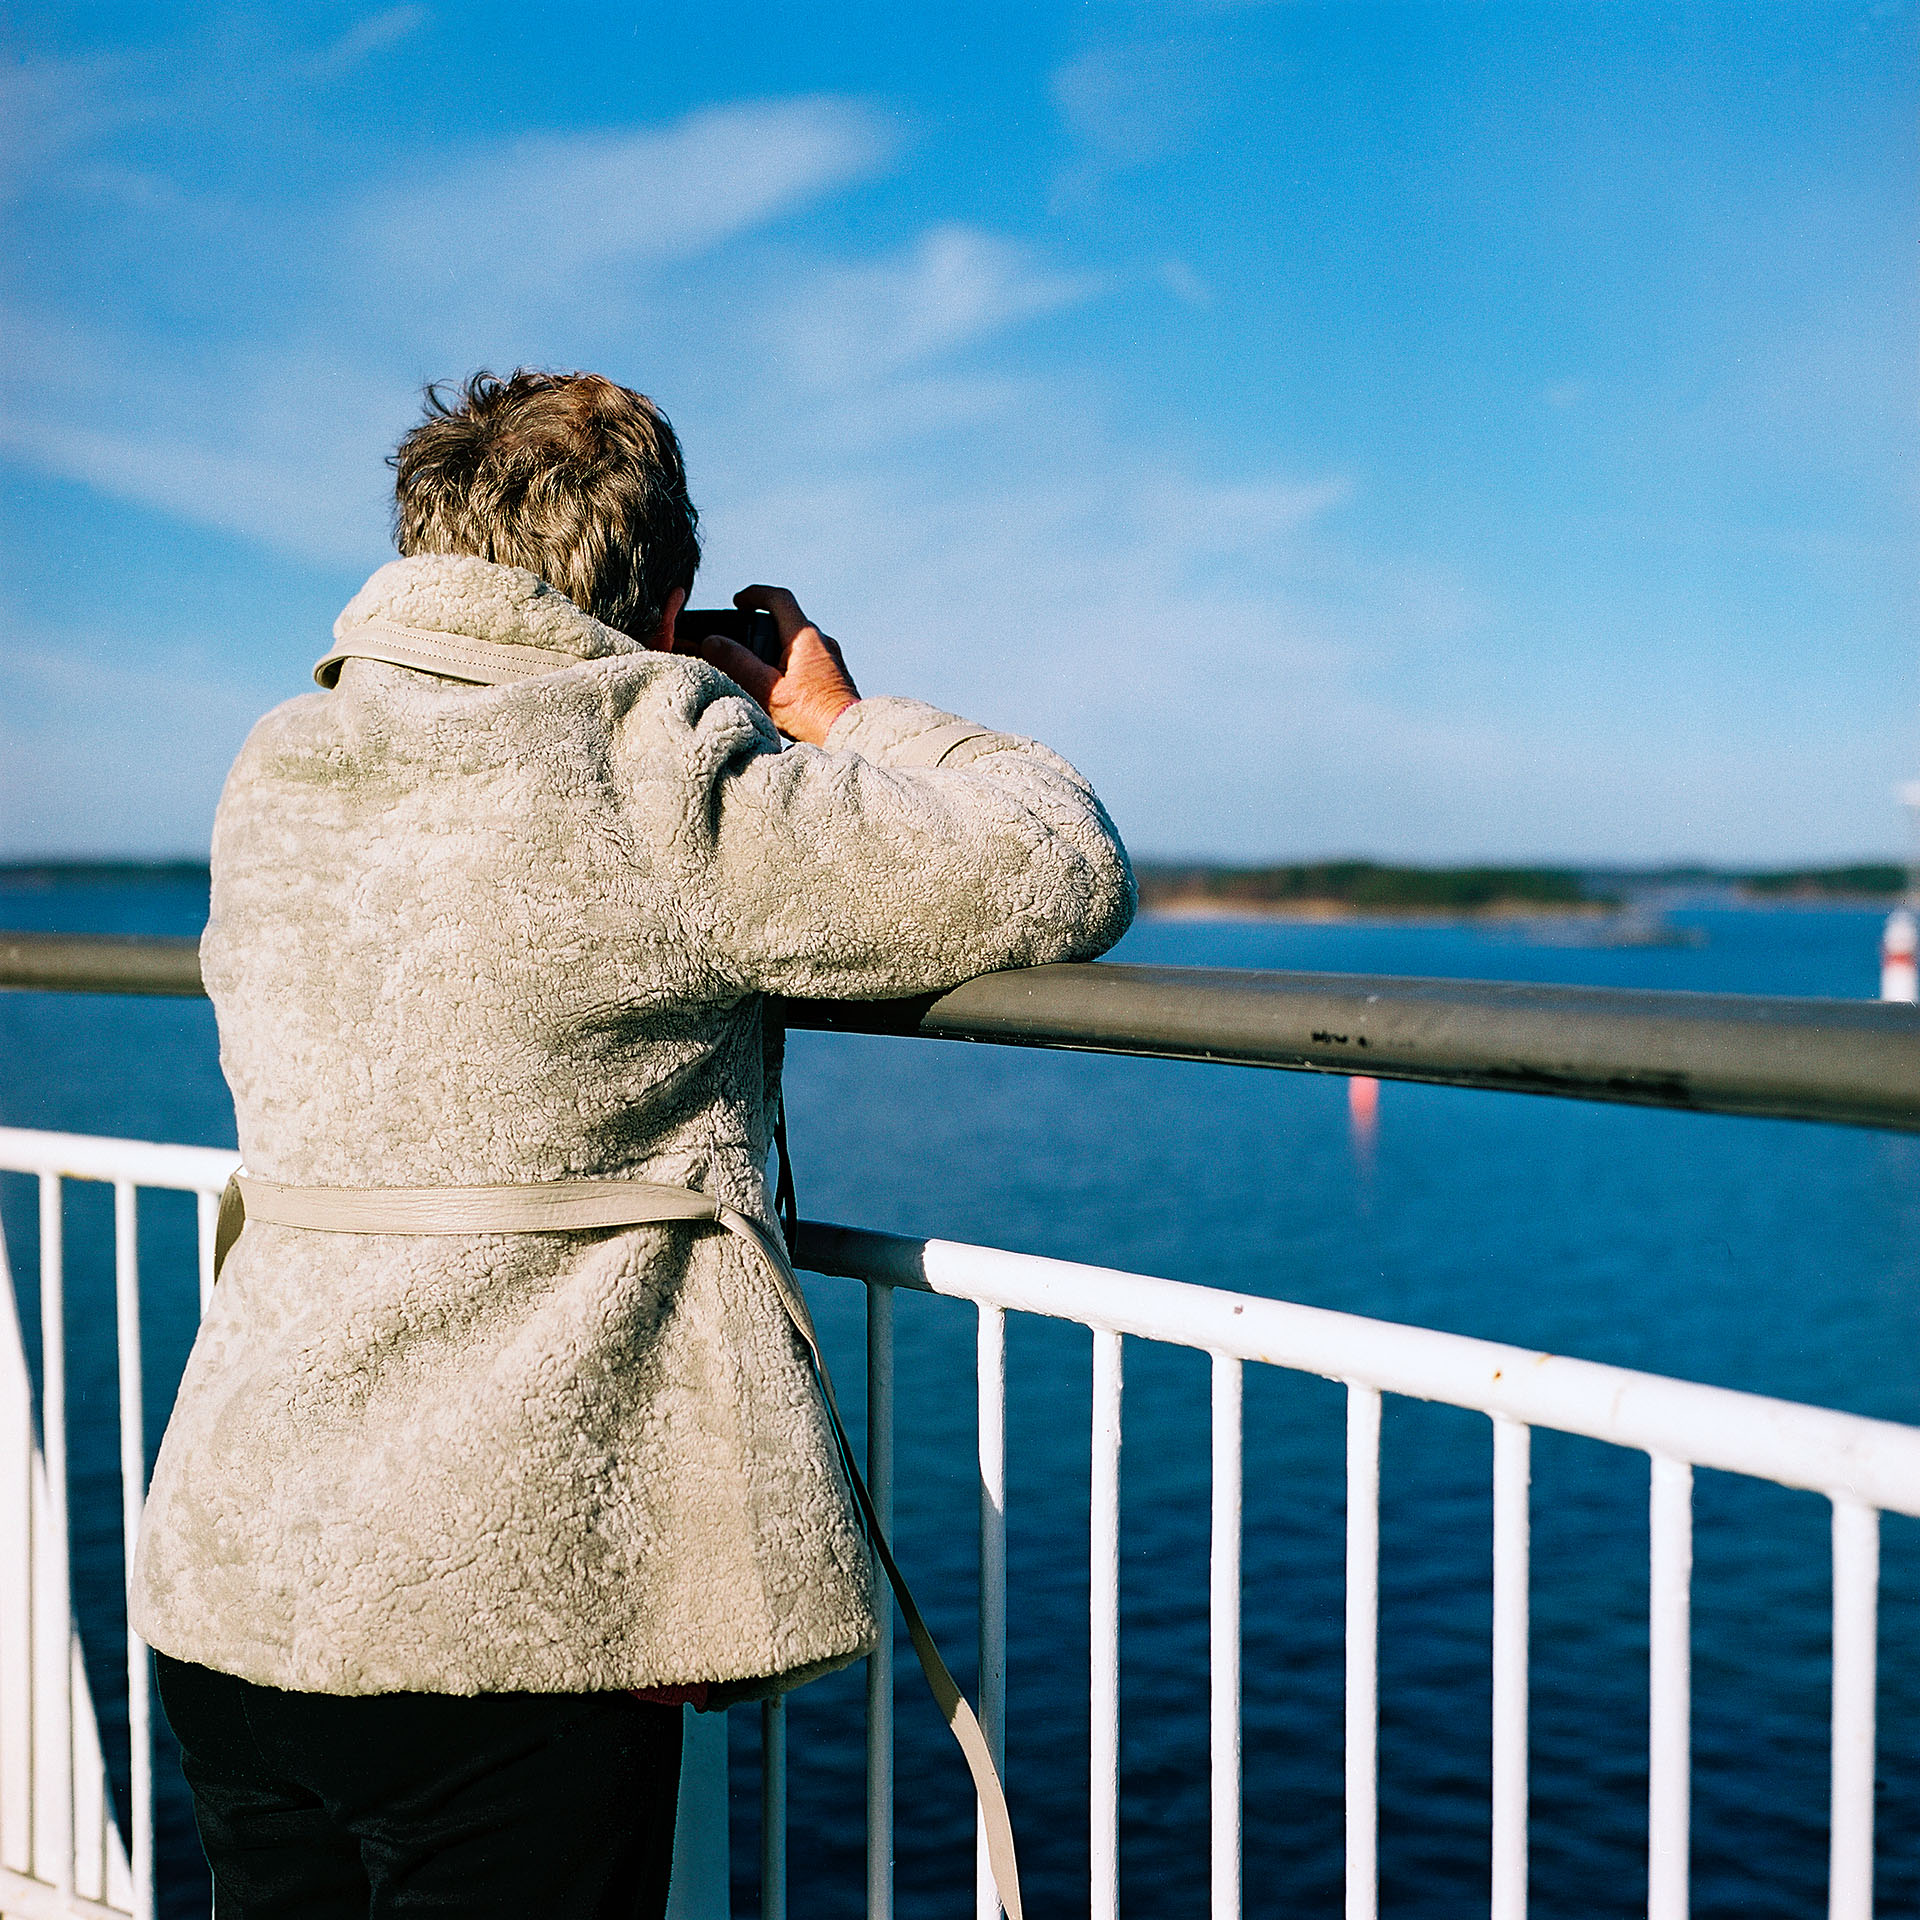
[473,599]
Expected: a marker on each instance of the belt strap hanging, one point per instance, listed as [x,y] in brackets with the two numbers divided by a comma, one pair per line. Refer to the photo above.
[574,1206]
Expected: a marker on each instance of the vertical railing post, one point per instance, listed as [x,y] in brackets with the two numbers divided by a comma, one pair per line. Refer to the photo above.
[699,1887]
[701,1871]
[1511,1537]
[990,1372]
[1363,1651]
[1856,1606]
[1669,1689]
[773,1809]
[133,1499]
[1103,1584]
[1224,1641]
[207,1221]
[880,1662]
[54,1824]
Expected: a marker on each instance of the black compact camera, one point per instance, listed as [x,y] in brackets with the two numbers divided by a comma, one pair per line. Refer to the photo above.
[751,627]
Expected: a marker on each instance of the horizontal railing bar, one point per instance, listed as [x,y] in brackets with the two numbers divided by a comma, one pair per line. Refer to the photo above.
[1876,1462]
[100,963]
[1852,1061]
[24,1898]
[88,1156]
[1845,1455]
[1856,1062]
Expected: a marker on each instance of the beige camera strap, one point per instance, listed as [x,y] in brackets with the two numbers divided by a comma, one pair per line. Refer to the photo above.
[577,1206]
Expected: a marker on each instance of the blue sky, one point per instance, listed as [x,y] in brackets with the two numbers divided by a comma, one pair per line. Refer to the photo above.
[1442,431]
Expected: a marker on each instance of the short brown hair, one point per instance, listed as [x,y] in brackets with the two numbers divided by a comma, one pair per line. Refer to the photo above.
[566,474]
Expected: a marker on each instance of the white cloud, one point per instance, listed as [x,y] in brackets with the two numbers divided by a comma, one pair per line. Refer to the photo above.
[952,288]
[50,108]
[1184,284]
[980,534]
[370,36]
[1161,628]
[1132,101]
[281,437]
[508,232]
[279,446]
[135,188]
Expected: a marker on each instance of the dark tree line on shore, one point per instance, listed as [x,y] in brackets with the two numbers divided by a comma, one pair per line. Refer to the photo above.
[1373,886]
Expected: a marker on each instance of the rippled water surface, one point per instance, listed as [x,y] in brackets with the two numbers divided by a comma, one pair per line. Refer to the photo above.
[1756,1254]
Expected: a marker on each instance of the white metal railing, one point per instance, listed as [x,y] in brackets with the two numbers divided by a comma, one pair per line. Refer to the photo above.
[1862,1466]
[62,1854]
[59,1855]
[61,1851]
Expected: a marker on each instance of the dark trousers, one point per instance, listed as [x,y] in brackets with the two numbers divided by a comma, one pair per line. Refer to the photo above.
[316,1806]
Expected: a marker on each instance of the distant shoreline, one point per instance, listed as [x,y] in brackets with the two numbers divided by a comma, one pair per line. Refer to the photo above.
[1342,890]
[1321,894]
[21,875]
[1324,913]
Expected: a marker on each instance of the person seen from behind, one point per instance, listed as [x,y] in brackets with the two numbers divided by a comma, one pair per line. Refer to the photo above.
[457,1510]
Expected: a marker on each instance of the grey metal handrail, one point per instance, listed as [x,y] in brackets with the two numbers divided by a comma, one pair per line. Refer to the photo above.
[1856,1062]
[100,963]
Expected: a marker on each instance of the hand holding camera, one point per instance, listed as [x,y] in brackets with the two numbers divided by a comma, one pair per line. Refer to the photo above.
[766,644]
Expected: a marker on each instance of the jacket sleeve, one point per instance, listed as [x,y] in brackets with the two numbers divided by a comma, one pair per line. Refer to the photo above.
[911,852]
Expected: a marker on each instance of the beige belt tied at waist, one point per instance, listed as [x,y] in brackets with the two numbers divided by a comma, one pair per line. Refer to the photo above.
[583,1206]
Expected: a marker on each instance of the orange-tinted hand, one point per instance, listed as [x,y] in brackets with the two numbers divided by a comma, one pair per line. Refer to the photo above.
[810,689]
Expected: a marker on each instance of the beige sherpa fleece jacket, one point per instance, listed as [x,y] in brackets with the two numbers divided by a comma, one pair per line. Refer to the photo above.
[469,935]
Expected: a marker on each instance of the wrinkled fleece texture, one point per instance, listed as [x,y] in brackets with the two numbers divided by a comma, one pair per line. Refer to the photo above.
[468,935]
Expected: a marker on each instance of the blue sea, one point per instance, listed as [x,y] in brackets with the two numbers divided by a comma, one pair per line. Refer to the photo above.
[1765,1255]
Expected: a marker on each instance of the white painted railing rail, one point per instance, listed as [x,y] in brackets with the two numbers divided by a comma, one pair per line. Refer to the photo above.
[63,1856]
[61,1851]
[1862,1466]
[60,1856]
